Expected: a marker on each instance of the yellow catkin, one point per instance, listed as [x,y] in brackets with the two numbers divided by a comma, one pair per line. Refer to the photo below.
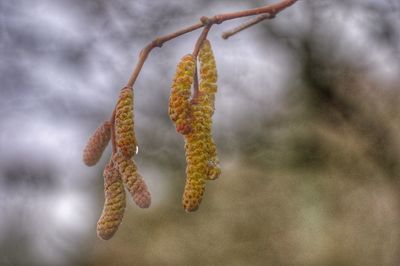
[201,153]
[208,87]
[114,205]
[124,123]
[196,156]
[96,144]
[179,110]
[133,180]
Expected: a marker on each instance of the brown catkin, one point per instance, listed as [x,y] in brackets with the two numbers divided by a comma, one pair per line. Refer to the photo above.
[124,123]
[179,110]
[208,86]
[96,144]
[141,195]
[114,205]
[133,180]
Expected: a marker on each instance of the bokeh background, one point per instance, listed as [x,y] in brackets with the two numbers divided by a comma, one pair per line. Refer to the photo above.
[307,127]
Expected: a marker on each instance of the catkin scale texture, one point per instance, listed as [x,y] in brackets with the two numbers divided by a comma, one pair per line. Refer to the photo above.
[179,109]
[97,144]
[201,153]
[196,157]
[140,192]
[208,87]
[124,123]
[133,180]
[114,205]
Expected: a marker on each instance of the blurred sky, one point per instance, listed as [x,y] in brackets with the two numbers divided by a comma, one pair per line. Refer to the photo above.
[63,62]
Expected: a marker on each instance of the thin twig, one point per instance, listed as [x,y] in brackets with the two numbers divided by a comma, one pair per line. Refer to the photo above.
[158,43]
[202,37]
[196,50]
[273,8]
[225,35]
[217,19]
[195,84]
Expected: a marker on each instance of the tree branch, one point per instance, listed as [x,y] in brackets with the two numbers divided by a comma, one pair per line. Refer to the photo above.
[217,19]
[202,36]
[158,43]
[225,35]
[273,8]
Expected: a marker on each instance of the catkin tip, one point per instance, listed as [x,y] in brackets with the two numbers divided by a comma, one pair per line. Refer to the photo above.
[141,194]
[189,209]
[194,188]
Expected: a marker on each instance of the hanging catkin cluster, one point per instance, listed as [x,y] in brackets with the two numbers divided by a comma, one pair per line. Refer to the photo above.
[190,113]
[201,154]
[121,170]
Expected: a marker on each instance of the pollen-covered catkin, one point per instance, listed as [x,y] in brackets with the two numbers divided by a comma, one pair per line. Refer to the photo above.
[96,144]
[201,153]
[124,123]
[213,168]
[179,110]
[133,180]
[114,205]
[196,156]
[208,87]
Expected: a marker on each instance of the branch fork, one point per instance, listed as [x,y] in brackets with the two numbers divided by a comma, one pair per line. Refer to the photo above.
[205,22]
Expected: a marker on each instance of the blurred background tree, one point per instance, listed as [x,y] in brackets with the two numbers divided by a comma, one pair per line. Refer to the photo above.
[307,127]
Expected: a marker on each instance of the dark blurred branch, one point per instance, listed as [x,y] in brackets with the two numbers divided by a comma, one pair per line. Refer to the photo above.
[204,22]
